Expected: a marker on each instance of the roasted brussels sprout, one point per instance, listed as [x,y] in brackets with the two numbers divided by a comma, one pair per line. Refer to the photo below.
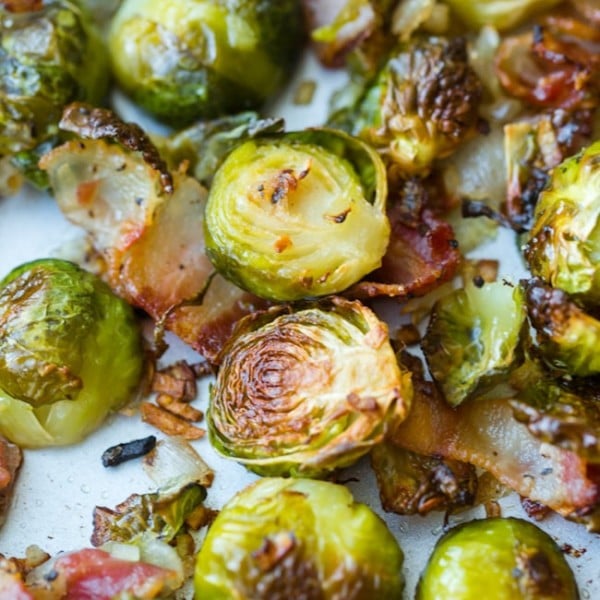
[499,559]
[298,538]
[63,336]
[501,14]
[411,483]
[423,104]
[564,242]
[276,199]
[566,336]
[50,54]
[295,393]
[473,338]
[189,59]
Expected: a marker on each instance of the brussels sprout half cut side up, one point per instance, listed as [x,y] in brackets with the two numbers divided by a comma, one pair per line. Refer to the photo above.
[295,393]
[183,60]
[70,353]
[564,243]
[298,215]
[298,538]
[497,559]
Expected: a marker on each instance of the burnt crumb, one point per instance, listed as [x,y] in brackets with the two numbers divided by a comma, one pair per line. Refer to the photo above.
[571,551]
[478,281]
[115,455]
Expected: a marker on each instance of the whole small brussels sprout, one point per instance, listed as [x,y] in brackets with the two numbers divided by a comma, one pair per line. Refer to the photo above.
[70,352]
[298,215]
[497,559]
[422,106]
[307,390]
[50,54]
[473,338]
[298,538]
[183,60]
[500,14]
[564,241]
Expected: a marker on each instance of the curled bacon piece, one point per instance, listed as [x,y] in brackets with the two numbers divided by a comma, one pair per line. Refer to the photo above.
[485,433]
[557,65]
[420,256]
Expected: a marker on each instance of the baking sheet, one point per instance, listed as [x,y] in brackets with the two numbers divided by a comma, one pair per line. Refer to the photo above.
[59,487]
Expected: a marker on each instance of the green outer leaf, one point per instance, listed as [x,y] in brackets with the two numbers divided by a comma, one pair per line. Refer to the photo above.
[333,548]
[275,199]
[294,394]
[472,340]
[101,343]
[497,559]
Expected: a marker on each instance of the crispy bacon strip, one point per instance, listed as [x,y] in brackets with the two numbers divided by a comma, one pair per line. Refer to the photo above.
[418,259]
[485,434]
[151,242]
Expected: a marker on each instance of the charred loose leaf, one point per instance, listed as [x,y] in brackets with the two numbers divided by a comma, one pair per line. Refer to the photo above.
[295,394]
[161,514]
[472,340]
[564,242]
[284,538]
[206,144]
[275,199]
[411,483]
[532,149]
[521,562]
[356,32]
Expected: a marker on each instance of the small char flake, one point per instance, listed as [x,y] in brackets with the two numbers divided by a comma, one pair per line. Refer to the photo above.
[139,201]
[115,455]
[339,218]
[574,552]
[478,281]
[122,167]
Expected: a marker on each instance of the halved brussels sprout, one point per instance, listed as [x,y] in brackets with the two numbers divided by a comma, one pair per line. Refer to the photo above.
[50,54]
[307,390]
[189,59]
[501,14]
[497,559]
[566,337]
[423,104]
[473,338]
[70,352]
[298,538]
[564,243]
[298,215]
